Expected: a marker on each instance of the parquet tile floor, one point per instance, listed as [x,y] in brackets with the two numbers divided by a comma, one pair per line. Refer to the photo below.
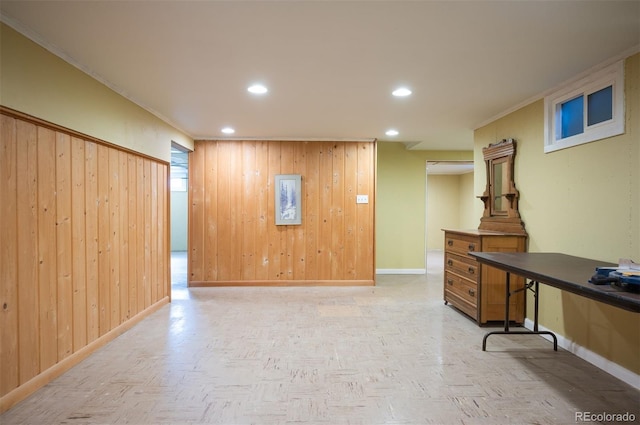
[389,354]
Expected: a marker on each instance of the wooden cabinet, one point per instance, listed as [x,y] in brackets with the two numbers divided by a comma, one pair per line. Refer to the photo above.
[476,289]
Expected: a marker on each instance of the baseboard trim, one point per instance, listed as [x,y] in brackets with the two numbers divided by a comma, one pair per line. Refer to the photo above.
[275,283]
[595,359]
[401,271]
[26,389]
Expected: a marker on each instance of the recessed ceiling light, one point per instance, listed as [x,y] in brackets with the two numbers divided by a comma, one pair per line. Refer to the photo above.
[401,92]
[392,132]
[257,89]
[228,130]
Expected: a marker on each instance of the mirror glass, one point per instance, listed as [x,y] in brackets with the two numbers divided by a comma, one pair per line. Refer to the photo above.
[499,179]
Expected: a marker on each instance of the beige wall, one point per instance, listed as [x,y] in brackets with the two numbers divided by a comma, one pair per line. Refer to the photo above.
[450,205]
[443,207]
[36,82]
[468,202]
[450,202]
[401,205]
[581,201]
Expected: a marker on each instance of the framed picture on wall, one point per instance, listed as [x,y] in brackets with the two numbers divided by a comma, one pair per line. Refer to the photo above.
[288,201]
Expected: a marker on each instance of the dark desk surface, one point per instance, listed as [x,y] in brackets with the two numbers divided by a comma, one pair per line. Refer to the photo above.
[562,271]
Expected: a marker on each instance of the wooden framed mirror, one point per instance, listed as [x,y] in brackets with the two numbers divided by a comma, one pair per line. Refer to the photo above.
[501,196]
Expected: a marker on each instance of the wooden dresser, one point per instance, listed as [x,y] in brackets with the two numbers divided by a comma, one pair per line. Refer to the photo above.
[476,289]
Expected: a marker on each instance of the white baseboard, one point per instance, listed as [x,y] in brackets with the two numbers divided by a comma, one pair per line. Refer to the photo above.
[595,359]
[401,271]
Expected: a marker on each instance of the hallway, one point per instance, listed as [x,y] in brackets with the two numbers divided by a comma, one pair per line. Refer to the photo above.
[389,354]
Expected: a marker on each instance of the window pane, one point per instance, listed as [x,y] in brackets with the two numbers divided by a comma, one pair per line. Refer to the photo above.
[600,106]
[572,117]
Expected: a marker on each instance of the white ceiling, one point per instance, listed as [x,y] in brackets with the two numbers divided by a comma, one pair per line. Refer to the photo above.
[331,65]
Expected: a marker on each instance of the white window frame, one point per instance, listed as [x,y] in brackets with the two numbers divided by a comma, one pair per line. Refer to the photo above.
[612,75]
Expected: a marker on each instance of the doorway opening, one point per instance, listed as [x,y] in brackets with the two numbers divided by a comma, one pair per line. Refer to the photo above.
[450,202]
[179,183]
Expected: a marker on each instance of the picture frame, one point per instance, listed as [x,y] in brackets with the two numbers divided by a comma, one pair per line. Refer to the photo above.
[288,199]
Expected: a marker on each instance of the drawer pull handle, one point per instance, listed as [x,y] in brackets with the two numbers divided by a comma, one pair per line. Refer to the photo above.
[450,242]
[450,282]
[472,292]
[450,262]
[472,247]
[472,270]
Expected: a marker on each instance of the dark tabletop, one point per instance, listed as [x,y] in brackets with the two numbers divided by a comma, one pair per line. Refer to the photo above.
[562,271]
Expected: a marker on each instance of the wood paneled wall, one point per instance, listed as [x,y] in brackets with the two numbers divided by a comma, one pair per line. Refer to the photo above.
[233,238]
[84,248]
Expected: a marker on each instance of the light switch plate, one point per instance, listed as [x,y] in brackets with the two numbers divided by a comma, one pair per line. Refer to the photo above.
[362,199]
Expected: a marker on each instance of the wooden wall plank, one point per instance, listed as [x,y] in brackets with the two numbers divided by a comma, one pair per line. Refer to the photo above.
[158,247]
[27,228]
[287,235]
[298,246]
[140,242]
[210,216]
[153,251]
[114,238]
[373,181]
[364,215]
[222,252]
[92,199]
[78,241]
[276,251]
[324,242]
[123,229]
[104,241]
[197,212]
[312,209]
[335,237]
[64,253]
[9,362]
[235,211]
[350,210]
[47,273]
[64,250]
[132,228]
[337,212]
[261,191]
[164,240]
[146,176]
[247,216]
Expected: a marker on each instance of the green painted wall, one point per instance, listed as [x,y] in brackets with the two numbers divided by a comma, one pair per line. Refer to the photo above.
[467,202]
[38,83]
[582,201]
[401,205]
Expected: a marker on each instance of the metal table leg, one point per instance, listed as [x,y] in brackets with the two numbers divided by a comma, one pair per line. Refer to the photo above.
[506,316]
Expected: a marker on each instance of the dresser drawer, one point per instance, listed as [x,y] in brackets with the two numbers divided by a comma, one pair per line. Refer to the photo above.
[477,289]
[463,266]
[464,288]
[461,244]
[461,304]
